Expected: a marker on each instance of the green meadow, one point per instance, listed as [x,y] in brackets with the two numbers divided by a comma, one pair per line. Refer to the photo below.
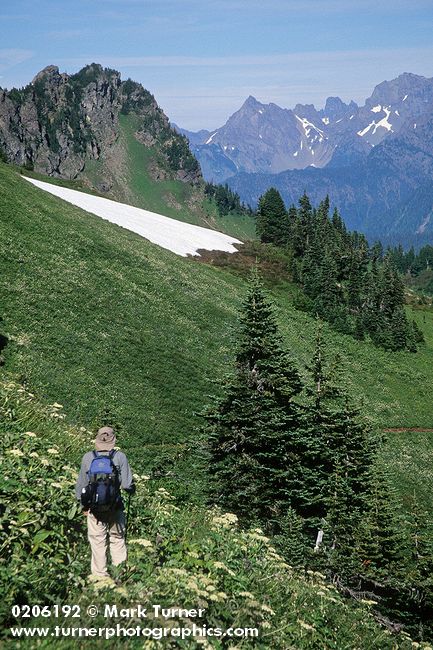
[102,320]
[114,328]
[192,557]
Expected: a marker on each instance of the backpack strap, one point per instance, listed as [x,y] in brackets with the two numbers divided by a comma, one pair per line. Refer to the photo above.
[111,454]
[95,455]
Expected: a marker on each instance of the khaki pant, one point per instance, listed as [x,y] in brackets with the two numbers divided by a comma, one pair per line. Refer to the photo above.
[109,533]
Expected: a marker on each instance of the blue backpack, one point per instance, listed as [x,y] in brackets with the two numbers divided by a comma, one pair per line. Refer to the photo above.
[103,490]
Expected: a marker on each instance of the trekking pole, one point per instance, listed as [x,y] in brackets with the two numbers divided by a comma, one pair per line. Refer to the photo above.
[127,516]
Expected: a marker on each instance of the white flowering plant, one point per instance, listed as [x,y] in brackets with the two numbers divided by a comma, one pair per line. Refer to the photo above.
[188,556]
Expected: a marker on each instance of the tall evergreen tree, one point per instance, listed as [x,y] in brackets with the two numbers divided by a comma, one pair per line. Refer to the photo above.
[380,543]
[252,429]
[304,227]
[339,442]
[272,219]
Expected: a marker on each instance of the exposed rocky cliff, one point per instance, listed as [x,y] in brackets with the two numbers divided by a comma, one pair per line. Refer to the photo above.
[60,122]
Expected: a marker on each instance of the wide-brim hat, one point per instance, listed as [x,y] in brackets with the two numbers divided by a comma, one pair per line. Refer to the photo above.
[105,439]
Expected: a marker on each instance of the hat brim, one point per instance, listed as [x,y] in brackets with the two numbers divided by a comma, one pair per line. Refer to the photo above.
[104,446]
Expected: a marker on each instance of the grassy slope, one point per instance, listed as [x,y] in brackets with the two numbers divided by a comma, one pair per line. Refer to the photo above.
[102,319]
[175,199]
[188,557]
[128,170]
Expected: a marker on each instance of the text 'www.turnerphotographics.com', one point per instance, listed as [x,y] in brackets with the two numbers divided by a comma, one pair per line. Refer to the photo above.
[173,628]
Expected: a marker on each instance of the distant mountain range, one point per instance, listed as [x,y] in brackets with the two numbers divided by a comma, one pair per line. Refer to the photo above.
[375,161]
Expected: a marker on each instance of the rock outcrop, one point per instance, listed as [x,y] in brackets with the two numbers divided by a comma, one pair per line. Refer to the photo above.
[59,122]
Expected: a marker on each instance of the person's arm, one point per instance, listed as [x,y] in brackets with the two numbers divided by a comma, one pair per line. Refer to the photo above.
[82,479]
[126,479]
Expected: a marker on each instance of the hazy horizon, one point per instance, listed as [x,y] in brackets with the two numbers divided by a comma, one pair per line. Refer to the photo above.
[201,61]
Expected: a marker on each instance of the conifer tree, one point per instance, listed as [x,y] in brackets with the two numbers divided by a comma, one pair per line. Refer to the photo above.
[254,461]
[272,219]
[417,333]
[341,523]
[420,570]
[304,228]
[421,544]
[380,543]
[291,539]
[339,440]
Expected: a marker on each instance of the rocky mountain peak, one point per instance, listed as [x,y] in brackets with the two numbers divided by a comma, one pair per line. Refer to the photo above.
[336,109]
[59,122]
[251,102]
[47,74]
[405,87]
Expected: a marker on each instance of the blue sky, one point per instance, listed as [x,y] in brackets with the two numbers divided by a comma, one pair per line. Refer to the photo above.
[202,58]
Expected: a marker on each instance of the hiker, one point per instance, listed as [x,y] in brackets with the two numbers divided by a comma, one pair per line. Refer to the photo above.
[103,472]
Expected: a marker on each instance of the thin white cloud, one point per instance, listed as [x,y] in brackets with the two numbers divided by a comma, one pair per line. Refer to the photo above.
[62,34]
[288,6]
[201,92]
[320,58]
[13,56]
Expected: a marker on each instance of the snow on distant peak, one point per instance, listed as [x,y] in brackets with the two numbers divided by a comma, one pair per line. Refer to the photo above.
[423,225]
[367,128]
[307,126]
[325,120]
[211,138]
[176,236]
[376,109]
[384,121]
[373,126]
[404,98]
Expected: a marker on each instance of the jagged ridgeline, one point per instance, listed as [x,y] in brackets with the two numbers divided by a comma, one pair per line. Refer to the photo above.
[59,122]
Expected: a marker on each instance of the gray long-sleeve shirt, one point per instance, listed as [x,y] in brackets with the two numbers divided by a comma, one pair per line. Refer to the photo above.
[119,460]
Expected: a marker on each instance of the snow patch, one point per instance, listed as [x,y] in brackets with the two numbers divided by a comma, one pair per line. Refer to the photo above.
[404,98]
[325,120]
[210,139]
[351,117]
[176,236]
[261,111]
[296,153]
[384,123]
[376,109]
[397,113]
[307,126]
[367,128]
[423,225]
